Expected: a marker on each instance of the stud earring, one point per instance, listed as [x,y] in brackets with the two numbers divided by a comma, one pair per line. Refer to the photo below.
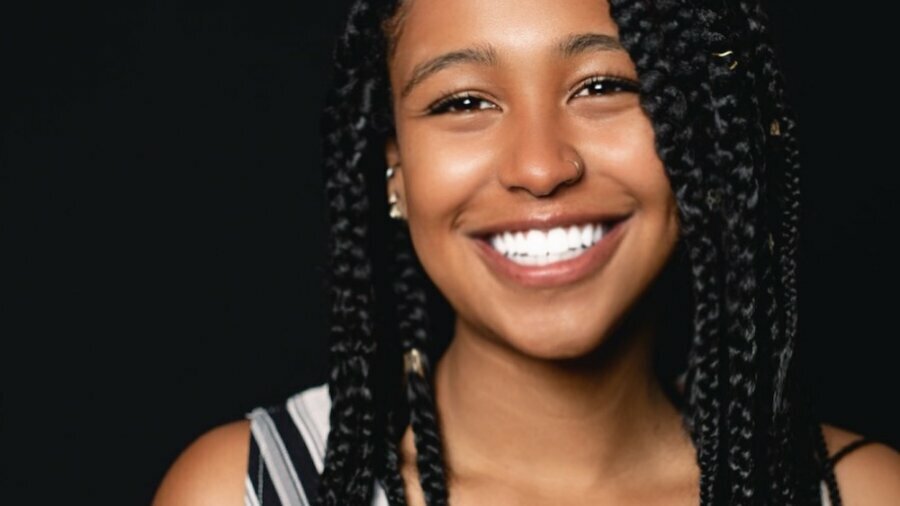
[394,211]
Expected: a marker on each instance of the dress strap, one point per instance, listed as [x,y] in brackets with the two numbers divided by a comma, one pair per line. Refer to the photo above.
[862,441]
[831,495]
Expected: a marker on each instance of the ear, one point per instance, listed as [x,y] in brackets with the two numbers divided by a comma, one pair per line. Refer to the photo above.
[395,183]
[391,151]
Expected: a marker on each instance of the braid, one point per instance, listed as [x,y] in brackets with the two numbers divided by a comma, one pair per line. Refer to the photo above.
[752,286]
[733,149]
[785,156]
[413,329]
[349,470]
[349,465]
[392,479]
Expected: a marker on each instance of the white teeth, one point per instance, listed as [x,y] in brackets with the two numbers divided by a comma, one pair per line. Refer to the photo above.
[573,235]
[498,243]
[536,243]
[509,240]
[587,235]
[519,244]
[539,247]
[557,241]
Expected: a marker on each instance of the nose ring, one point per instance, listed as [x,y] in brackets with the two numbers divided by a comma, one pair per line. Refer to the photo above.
[579,170]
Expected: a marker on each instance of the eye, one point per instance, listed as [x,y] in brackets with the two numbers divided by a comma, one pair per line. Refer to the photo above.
[460,103]
[606,85]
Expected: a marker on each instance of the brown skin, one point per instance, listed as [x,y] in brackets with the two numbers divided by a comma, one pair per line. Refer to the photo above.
[463,171]
[546,396]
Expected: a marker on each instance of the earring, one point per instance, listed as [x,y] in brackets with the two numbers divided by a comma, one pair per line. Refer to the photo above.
[394,211]
[391,170]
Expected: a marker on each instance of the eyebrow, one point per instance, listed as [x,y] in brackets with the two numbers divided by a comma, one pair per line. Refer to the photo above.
[485,55]
[572,45]
[582,42]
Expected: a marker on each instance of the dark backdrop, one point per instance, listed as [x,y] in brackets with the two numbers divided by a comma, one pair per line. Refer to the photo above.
[161,227]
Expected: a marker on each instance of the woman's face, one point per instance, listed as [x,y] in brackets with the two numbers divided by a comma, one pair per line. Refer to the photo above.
[513,151]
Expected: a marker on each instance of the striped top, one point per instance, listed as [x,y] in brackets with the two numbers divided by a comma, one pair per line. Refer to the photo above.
[287,452]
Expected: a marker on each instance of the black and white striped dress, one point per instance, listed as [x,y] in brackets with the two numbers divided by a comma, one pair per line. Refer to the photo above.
[287,450]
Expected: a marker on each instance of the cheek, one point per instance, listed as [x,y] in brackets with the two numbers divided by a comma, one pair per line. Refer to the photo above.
[440,179]
[440,176]
[626,153]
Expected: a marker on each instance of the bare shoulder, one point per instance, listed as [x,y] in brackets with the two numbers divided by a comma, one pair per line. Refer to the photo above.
[867,476]
[210,471]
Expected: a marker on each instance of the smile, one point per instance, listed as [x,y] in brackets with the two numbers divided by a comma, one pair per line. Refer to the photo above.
[551,256]
[542,247]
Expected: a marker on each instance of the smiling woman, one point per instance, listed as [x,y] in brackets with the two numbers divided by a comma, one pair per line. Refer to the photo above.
[586,185]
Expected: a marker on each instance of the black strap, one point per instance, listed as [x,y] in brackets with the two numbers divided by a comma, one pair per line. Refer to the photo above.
[826,468]
[833,460]
[829,463]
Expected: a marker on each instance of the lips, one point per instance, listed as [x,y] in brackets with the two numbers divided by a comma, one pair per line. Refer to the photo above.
[525,266]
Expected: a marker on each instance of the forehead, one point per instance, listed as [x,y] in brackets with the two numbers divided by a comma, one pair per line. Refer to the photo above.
[510,26]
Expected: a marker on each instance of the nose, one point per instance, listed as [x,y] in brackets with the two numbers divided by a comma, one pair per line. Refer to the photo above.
[540,159]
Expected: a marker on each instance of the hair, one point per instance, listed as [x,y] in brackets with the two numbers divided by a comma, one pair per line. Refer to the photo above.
[728,142]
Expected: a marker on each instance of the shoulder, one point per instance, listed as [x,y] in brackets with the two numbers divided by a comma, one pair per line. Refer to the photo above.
[287,439]
[867,476]
[210,471]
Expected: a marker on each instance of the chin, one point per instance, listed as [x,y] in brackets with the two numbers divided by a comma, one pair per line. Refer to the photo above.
[552,341]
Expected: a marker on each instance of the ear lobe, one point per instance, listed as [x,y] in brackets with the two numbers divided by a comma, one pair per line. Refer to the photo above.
[391,152]
[392,157]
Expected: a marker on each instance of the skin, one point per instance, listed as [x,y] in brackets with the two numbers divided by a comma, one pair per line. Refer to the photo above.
[546,395]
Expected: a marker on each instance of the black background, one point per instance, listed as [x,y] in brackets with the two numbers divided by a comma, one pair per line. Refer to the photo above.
[162,227]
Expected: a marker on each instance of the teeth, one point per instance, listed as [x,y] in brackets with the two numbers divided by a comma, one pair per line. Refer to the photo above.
[509,239]
[498,243]
[539,247]
[519,245]
[587,236]
[557,241]
[573,236]
[536,243]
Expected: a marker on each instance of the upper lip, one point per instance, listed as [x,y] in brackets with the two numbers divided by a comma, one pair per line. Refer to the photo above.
[546,222]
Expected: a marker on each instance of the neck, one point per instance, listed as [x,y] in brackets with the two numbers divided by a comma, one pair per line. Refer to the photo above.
[575,423]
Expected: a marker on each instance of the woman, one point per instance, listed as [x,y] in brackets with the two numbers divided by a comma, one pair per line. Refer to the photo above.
[587,185]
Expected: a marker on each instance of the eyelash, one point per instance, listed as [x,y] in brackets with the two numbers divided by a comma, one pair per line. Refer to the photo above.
[615,82]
